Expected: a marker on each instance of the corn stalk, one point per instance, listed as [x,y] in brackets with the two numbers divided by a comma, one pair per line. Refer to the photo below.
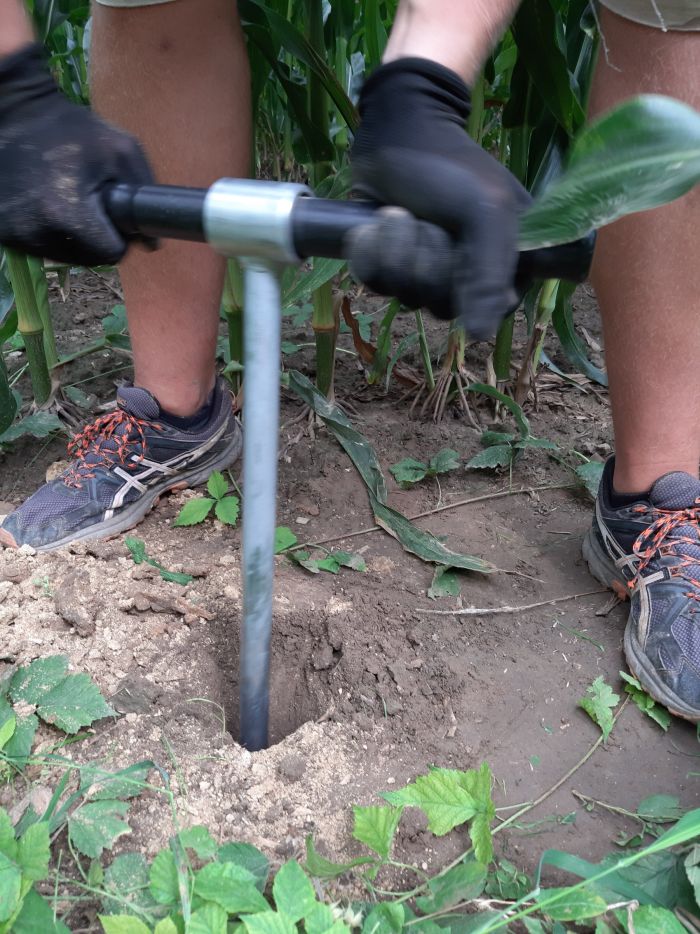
[30,323]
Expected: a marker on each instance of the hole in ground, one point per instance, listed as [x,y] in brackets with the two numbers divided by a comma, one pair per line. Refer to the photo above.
[297,693]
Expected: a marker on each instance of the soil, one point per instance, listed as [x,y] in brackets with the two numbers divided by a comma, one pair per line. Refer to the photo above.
[367,689]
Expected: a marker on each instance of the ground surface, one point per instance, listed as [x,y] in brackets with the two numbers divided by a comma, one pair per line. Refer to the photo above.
[367,690]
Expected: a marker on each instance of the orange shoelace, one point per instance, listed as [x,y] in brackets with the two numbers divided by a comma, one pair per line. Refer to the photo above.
[106,443]
[656,541]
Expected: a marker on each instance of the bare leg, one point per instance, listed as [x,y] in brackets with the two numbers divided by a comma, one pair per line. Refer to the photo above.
[647,277]
[176,76]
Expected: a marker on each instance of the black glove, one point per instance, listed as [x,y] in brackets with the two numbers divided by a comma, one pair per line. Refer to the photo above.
[412,150]
[55,158]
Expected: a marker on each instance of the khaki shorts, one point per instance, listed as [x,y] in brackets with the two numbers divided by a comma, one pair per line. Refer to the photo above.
[665,14]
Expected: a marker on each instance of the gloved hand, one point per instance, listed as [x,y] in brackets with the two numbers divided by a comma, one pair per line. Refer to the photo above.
[55,157]
[412,151]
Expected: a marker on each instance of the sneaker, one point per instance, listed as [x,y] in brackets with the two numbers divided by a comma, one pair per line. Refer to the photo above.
[650,551]
[123,462]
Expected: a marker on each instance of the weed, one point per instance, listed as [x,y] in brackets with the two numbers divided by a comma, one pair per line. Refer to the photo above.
[226,505]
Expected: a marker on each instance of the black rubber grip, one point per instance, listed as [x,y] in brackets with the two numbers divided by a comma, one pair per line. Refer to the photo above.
[319,227]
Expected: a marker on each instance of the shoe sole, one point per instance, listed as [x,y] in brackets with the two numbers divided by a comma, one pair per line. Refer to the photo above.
[130,516]
[604,571]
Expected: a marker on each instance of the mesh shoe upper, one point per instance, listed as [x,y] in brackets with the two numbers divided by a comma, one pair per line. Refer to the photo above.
[117,460]
[655,546]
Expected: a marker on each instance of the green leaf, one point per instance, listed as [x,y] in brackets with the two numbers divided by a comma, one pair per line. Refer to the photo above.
[385,918]
[319,919]
[284,538]
[449,798]
[692,870]
[227,510]
[292,891]
[123,924]
[20,745]
[462,883]
[268,922]
[489,438]
[590,474]
[33,852]
[424,544]
[535,31]
[498,455]
[93,827]
[445,584]
[209,919]
[200,840]
[645,703]
[408,471]
[663,808]
[163,880]
[444,461]
[375,827]
[640,155]
[165,926]
[37,915]
[230,886]
[322,271]
[7,730]
[194,511]
[32,682]
[248,857]
[515,410]
[600,704]
[571,343]
[217,485]
[8,844]
[10,887]
[126,783]
[39,425]
[136,548]
[321,868]
[347,559]
[126,878]
[73,703]
[563,904]
[648,919]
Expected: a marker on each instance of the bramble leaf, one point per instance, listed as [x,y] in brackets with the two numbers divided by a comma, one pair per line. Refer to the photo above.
[462,883]
[284,538]
[376,826]
[293,893]
[409,471]
[123,924]
[442,462]
[600,704]
[217,485]
[7,730]
[74,702]
[10,887]
[497,455]
[570,905]
[32,682]
[93,827]
[248,857]
[200,840]
[163,881]
[230,886]
[645,703]
[33,852]
[194,511]
[209,919]
[321,868]
[268,922]
[228,509]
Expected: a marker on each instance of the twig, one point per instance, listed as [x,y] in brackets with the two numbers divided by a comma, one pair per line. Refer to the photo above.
[495,610]
[431,512]
[557,785]
[112,288]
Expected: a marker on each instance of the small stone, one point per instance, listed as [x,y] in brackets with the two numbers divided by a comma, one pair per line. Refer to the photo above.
[14,573]
[27,551]
[292,767]
[302,520]
[143,572]
[228,559]
[71,607]
[55,470]
[5,589]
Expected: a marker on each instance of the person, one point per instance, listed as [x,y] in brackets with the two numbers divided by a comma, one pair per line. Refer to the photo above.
[190,109]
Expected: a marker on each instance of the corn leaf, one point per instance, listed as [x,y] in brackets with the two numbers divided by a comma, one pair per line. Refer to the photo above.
[642,154]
